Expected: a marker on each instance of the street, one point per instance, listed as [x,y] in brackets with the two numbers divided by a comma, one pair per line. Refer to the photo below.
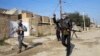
[87,44]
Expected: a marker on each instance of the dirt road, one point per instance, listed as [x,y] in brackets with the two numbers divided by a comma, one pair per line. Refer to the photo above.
[87,44]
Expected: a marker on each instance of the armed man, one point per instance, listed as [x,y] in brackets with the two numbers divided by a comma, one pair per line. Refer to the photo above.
[57,28]
[20,32]
[64,26]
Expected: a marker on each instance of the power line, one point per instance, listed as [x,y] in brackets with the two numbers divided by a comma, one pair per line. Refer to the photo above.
[56,8]
[60,2]
[83,22]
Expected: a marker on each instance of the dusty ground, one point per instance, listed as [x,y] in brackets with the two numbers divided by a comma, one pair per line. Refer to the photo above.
[87,44]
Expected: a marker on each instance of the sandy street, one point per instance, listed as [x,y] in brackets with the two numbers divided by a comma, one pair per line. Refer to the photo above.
[87,44]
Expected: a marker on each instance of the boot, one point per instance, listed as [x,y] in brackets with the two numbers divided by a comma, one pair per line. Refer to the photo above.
[26,47]
[20,51]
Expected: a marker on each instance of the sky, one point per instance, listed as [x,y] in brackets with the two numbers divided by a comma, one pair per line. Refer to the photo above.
[47,7]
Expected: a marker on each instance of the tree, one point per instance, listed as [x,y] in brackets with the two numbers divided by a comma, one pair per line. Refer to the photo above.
[78,19]
[87,21]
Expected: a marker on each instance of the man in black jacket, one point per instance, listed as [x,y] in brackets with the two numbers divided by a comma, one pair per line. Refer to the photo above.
[64,26]
[57,28]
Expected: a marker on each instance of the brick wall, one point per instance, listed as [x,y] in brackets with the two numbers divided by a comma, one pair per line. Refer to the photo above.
[13,17]
[46,30]
[42,26]
[27,15]
[4,26]
[45,19]
[51,21]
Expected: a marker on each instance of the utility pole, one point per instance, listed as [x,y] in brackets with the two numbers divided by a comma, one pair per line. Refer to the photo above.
[60,2]
[83,21]
[93,20]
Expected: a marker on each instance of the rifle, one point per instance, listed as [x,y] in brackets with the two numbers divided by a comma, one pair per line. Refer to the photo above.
[74,33]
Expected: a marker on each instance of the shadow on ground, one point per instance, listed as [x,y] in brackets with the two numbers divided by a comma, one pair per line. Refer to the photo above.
[14,51]
[34,45]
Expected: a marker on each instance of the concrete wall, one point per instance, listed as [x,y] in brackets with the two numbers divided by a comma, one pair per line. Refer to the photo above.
[41,26]
[44,30]
[36,24]
[51,21]
[4,26]
[45,19]
[36,19]
[13,17]
[27,15]
[26,22]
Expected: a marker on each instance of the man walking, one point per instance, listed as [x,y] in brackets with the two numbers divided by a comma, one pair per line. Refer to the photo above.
[65,28]
[66,33]
[20,33]
[58,32]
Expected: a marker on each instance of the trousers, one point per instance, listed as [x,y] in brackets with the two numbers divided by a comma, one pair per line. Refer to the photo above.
[20,40]
[68,44]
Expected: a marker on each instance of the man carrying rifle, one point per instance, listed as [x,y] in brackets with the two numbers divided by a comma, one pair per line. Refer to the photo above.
[20,33]
[64,27]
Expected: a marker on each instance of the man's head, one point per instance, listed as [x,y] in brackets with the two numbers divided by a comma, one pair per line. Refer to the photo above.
[65,16]
[20,22]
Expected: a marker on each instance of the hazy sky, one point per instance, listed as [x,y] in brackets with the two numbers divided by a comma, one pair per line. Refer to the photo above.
[46,7]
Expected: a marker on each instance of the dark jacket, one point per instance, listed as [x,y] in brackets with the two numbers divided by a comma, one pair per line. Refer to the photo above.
[20,32]
[63,24]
